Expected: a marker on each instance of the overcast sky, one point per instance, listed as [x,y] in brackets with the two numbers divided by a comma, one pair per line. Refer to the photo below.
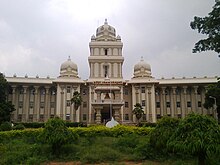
[37,36]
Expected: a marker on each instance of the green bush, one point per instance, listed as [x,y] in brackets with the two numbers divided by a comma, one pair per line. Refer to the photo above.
[56,134]
[32,125]
[162,132]
[6,126]
[19,127]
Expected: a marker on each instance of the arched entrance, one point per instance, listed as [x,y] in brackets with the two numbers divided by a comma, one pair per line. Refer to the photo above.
[105,114]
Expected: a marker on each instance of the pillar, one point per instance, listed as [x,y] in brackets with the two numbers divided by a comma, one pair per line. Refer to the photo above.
[98,115]
[164,101]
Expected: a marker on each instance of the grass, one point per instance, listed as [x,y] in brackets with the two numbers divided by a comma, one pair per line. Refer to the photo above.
[111,150]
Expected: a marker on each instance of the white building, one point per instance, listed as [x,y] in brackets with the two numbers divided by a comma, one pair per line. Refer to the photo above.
[106,93]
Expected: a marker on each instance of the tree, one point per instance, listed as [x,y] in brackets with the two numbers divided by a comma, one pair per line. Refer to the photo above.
[162,132]
[77,100]
[214,92]
[56,134]
[209,25]
[198,135]
[138,111]
[6,107]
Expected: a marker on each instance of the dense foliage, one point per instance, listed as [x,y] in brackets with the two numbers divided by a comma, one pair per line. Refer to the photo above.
[210,26]
[162,132]
[212,95]
[197,135]
[56,134]
[6,107]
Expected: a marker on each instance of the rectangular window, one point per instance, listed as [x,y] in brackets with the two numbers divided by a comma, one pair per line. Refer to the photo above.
[21,91]
[168,104]
[32,91]
[143,103]
[20,104]
[67,117]
[158,116]
[167,92]
[30,117]
[84,104]
[106,51]
[126,104]
[179,116]
[41,117]
[126,91]
[84,117]
[42,92]
[199,104]
[106,70]
[178,91]
[188,104]
[19,117]
[158,104]
[68,89]
[178,104]
[51,116]
[68,103]
[31,105]
[142,89]
[188,91]
[157,92]
[41,104]
[52,104]
[199,91]
[144,117]
[126,117]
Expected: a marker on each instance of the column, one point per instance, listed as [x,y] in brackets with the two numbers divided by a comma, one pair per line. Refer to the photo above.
[118,69]
[112,70]
[98,115]
[25,105]
[117,114]
[36,105]
[173,102]
[164,101]
[14,103]
[99,69]
[47,103]
[150,106]
[62,103]
[184,110]
[195,99]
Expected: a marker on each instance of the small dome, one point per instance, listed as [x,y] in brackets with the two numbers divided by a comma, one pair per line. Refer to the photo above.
[142,69]
[142,64]
[105,30]
[67,64]
[68,69]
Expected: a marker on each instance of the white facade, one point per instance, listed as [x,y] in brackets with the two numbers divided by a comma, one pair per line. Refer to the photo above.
[106,93]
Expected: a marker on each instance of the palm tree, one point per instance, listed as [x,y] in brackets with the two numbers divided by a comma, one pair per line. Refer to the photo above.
[77,100]
[138,111]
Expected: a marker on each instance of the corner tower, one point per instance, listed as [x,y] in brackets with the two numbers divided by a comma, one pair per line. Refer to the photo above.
[105,58]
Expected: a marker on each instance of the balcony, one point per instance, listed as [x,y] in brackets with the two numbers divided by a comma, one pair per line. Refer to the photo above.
[108,102]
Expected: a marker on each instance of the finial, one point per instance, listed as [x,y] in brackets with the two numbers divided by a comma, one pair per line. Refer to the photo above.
[106,21]
[69,58]
[142,58]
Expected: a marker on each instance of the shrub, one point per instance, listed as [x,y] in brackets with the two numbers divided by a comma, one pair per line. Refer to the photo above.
[162,132]
[6,126]
[19,127]
[56,135]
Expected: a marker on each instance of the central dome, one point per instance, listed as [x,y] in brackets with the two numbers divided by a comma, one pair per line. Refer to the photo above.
[142,69]
[105,30]
[68,69]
